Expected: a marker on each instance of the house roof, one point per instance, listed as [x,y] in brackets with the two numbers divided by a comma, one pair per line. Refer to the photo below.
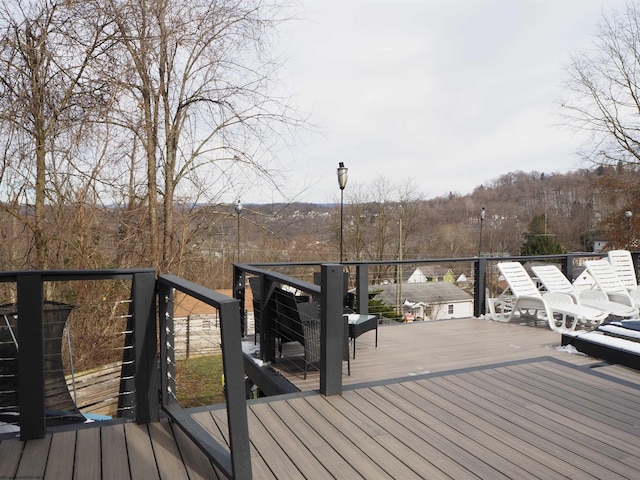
[409,272]
[435,270]
[428,292]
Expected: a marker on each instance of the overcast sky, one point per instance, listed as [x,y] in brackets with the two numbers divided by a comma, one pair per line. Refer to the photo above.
[447,93]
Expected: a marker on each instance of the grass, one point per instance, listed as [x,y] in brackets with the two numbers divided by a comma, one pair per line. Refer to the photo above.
[199,381]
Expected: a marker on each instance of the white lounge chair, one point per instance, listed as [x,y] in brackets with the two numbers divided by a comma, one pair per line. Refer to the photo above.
[622,264]
[553,280]
[608,281]
[558,309]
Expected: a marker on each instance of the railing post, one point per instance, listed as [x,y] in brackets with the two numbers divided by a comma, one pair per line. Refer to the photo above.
[267,309]
[480,289]
[31,356]
[145,346]
[167,345]
[239,294]
[233,366]
[567,267]
[634,258]
[362,288]
[331,330]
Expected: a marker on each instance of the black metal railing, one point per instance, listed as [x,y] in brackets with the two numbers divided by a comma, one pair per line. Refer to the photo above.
[144,376]
[360,276]
[234,461]
[31,344]
[31,361]
[279,320]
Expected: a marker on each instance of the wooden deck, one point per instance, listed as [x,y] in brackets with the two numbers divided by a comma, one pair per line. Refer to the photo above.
[410,349]
[539,419]
[463,399]
[122,451]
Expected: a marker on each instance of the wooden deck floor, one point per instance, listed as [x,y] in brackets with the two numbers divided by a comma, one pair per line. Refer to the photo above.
[426,347]
[475,399]
[122,451]
[539,419]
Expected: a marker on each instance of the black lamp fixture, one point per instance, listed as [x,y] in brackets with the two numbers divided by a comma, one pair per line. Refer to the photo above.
[628,214]
[238,208]
[482,214]
[342,182]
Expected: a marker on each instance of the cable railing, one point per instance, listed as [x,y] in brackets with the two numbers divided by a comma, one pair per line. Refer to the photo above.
[41,333]
[288,310]
[177,298]
[477,278]
[72,348]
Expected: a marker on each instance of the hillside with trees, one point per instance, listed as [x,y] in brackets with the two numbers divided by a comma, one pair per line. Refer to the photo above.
[572,209]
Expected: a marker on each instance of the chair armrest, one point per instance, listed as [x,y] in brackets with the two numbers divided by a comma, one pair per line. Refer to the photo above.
[593,295]
[558,297]
[621,298]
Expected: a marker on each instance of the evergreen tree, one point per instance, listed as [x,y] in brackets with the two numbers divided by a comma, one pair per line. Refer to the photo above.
[538,241]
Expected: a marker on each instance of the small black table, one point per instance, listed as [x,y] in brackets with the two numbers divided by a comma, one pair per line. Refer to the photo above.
[358,324]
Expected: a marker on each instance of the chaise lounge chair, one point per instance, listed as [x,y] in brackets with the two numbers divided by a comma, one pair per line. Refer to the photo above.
[608,281]
[553,280]
[624,267]
[558,309]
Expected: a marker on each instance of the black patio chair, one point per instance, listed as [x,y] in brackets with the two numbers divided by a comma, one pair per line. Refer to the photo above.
[299,321]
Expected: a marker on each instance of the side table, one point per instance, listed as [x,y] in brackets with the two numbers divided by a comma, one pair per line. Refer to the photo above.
[358,324]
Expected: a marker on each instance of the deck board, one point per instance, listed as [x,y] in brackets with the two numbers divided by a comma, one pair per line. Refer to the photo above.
[270,450]
[511,447]
[453,443]
[423,347]
[506,413]
[88,449]
[503,456]
[298,454]
[114,448]
[421,456]
[501,401]
[258,464]
[197,464]
[61,456]
[139,451]
[166,451]
[361,439]
[34,458]
[10,455]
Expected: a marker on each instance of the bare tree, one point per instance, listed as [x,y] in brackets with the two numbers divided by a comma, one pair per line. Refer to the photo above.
[46,101]
[604,100]
[603,86]
[197,96]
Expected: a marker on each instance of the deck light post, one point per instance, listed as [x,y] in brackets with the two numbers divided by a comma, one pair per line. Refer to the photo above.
[628,214]
[238,208]
[342,182]
[482,214]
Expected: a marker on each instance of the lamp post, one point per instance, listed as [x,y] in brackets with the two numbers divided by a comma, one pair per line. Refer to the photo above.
[238,208]
[482,214]
[628,214]
[342,182]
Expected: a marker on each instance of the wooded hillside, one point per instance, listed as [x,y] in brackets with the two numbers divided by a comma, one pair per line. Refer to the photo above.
[574,208]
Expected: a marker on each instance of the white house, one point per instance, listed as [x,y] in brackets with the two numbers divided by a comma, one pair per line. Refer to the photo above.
[427,300]
[415,276]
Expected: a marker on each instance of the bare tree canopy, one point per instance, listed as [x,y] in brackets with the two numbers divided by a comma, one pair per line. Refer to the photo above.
[604,101]
[143,108]
[604,90]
